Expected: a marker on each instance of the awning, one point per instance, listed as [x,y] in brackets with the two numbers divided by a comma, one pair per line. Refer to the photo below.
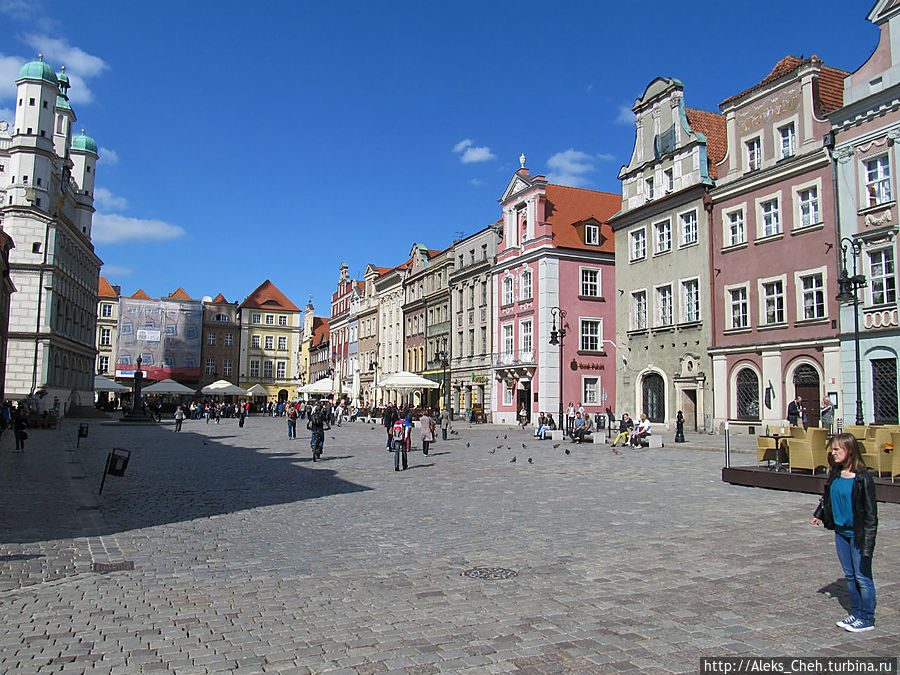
[105,384]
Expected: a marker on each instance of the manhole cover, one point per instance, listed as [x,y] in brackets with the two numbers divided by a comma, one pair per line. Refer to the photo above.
[105,568]
[490,573]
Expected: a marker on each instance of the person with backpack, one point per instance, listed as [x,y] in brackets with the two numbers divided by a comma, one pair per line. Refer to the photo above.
[317,424]
[292,422]
[400,436]
[387,419]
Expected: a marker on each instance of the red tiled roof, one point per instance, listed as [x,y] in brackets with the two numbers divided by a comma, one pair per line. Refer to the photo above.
[830,90]
[267,296]
[180,294]
[786,65]
[219,300]
[711,125]
[829,94]
[384,270]
[105,290]
[320,330]
[569,207]
[140,295]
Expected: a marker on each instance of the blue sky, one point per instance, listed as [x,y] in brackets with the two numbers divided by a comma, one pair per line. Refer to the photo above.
[246,141]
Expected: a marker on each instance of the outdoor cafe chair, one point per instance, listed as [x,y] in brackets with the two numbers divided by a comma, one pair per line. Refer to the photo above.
[810,452]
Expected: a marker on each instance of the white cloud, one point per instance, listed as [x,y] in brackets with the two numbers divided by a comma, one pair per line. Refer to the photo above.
[8,115]
[108,201]
[113,229]
[115,271]
[605,156]
[625,116]
[80,66]
[471,153]
[108,156]
[18,9]
[9,71]
[476,181]
[570,167]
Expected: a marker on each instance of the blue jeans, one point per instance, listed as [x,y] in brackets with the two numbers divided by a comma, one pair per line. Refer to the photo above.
[292,428]
[399,449]
[858,571]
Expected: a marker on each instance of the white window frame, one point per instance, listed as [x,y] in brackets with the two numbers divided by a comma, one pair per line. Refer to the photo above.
[256,318]
[255,341]
[280,370]
[798,204]
[268,369]
[229,339]
[211,340]
[254,367]
[508,291]
[682,222]
[649,192]
[526,337]
[591,235]
[591,396]
[658,228]
[730,304]
[791,127]
[282,343]
[683,305]
[270,319]
[526,287]
[592,320]
[890,293]
[103,363]
[727,214]
[753,149]
[269,342]
[800,292]
[632,248]
[634,324]
[227,367]
[669,179]
[760,221]
[761,294]
[106,310]
[597,282]
[507,339]
[879,190]
[658,307]
[105,337]
[507,394]
[282,320]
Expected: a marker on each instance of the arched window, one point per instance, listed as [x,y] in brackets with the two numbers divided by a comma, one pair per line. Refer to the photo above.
[654,397]
[747,391]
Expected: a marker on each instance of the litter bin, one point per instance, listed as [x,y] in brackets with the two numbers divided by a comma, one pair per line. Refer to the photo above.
[118,461]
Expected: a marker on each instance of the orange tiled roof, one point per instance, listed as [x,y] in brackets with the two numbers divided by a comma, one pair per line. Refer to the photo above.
[568,207]
[320,330]
[219,300]
[711,125]
[105,290]
[267,296]
[180,294]
[384,270]
[140,295]
[830,90]
[829,94]
[786,65]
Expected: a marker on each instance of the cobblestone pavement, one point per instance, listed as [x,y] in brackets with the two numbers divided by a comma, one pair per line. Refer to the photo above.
[249,558]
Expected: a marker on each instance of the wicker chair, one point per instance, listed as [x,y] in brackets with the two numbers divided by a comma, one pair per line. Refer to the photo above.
[811,452]
[873,453]
[765,450]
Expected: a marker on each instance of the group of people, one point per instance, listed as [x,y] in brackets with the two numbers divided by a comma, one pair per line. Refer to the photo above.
[797,413]
[398,423]
[631,434]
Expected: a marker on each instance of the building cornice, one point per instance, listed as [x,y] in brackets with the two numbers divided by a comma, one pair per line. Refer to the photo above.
[796,166]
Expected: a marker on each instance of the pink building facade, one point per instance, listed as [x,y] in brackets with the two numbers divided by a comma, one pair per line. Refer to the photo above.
[556,253]
[773,250]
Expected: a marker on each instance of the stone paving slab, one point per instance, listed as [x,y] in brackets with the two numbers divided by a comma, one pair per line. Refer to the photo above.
[248,557]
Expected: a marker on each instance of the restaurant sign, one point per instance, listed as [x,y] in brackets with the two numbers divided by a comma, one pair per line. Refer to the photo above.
[576,365]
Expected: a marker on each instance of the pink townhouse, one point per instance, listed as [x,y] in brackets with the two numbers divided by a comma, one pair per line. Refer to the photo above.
[773,250]
[554,270]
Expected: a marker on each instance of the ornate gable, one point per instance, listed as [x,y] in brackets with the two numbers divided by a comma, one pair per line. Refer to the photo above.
[519,183]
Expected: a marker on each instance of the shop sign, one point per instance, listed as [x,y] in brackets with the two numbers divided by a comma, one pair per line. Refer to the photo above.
[576,365]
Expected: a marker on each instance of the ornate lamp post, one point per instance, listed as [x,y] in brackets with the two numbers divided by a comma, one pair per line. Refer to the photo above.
[556,338]
[374,368]
[442,357]
[848,287]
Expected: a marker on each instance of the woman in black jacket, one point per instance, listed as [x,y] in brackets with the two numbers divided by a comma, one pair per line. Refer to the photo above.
[848,506]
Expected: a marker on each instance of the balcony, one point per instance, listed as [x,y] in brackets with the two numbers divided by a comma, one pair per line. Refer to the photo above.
[515,364]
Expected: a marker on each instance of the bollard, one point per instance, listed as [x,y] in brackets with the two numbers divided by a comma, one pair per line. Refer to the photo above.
[727,446]
[116,463]
[82,433]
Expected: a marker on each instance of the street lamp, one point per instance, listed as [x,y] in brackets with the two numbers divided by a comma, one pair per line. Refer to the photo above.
[848,287]
[374,368]
[442,356]
[556,338]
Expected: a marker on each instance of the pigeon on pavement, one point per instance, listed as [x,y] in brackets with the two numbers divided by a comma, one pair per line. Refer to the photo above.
[467,444]
[524,446]
[556,445]
[493,450]
[568,451]
[513,460]
[530,461]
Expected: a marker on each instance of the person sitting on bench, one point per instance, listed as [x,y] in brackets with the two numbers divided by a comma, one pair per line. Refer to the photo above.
[583,430]
[641,433]
[626,425]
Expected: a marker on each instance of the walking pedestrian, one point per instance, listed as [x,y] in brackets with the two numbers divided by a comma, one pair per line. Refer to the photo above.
[445,423]
[427,429]
[400,436]
[19,427]
[388,419]
[179,418]
[242,414]
[570,417]
[292,422]
[848,506]
[317,424]
[826,414]
[523,417]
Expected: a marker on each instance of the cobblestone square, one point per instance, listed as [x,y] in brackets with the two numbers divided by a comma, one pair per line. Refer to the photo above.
[250,558]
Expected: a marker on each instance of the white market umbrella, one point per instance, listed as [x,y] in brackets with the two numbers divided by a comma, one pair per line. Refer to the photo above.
[167,387]
[223,388]
[105,384]
[323,386]
[407,381]
[258,390]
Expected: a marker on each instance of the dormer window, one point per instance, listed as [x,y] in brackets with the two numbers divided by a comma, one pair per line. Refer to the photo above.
[591,235]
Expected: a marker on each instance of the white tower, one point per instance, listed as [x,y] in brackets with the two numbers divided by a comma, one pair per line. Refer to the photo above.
[65,117]
[84,162]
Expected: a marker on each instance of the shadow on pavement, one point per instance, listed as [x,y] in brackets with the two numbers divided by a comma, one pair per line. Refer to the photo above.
[838,590]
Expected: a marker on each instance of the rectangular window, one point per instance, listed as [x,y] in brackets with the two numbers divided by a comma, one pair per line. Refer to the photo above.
[648,184]
[773,297]
[282,343]
[809,206]
[471,342]
[103,364]
[590,283]
[105,337]
[282,320]
[591,235]
[508,291]
[737,298]
[771,221]
[484,251]
[639,310]
[638,245]
[483,340]
[483,293]
[270,319]
[736,233]
[690,300]
[254,368]
[591,390]
[211,339]
[663,233]
[507,394]
[878,180]
[590,335]
[210,366]
[281,370]
[229,339]
[508,343]
[883,283]
[813,289]
[688,228]
[255,318]
[267,370]
[788,144]
[526,286]
[227,367]
[106,309]
[669,176]
[754,160]
[270,342]
[525,329]
[664,306]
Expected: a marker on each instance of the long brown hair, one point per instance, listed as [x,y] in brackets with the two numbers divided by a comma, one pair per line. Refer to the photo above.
[850,445]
